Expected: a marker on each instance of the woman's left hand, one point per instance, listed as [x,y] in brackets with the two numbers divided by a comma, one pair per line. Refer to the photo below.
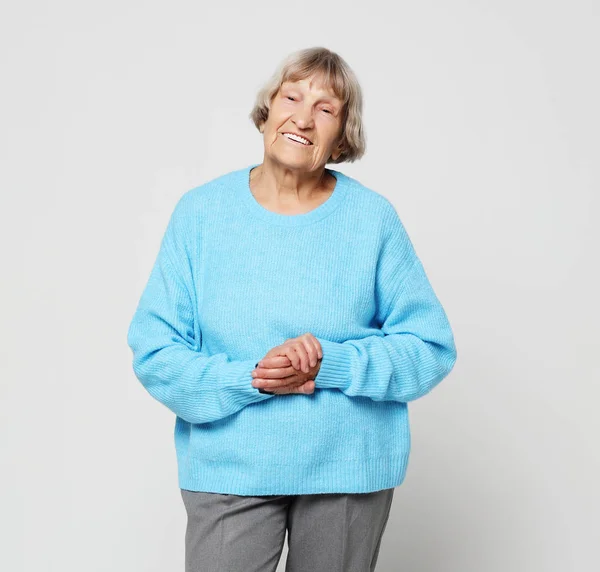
[290,367]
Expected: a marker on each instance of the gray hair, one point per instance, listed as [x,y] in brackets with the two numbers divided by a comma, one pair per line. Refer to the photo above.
[338,77]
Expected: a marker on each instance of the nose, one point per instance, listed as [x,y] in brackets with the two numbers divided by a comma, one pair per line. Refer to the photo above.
[303,118]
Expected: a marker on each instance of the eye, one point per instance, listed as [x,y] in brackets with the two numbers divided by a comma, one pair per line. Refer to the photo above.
[290,97]
[328,110]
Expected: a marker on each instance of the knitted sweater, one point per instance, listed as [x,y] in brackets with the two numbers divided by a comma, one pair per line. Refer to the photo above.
[232,280]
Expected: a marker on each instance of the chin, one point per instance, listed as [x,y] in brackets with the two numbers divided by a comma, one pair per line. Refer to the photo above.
[292,163]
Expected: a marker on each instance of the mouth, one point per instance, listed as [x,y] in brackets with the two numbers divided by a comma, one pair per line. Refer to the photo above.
[297,139]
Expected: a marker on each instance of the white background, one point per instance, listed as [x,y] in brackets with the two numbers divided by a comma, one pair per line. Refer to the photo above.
[482,128]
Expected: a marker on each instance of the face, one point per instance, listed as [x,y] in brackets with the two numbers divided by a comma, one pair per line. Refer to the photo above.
[310,110]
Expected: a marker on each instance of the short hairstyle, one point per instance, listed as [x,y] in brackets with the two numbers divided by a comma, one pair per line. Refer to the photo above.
[338,76]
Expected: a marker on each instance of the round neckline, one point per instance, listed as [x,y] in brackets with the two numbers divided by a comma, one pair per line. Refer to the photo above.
[318,213]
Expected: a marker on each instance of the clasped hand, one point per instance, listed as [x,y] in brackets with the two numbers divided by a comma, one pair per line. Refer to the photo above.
[290,367]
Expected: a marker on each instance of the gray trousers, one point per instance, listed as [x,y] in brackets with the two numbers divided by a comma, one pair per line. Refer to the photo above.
[326,532]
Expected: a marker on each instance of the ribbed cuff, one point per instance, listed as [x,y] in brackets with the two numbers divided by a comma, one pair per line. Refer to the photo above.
[335,365]
[237,376]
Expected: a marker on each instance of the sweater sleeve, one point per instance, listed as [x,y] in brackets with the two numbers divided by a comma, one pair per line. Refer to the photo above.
[413,349]
[165,339]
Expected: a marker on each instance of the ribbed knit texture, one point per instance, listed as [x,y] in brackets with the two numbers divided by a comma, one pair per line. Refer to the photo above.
[231,281]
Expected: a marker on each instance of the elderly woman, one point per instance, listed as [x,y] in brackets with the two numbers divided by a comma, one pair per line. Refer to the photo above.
[287,321]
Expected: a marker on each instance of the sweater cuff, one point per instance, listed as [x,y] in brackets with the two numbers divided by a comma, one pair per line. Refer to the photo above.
[239,379]
[335,365]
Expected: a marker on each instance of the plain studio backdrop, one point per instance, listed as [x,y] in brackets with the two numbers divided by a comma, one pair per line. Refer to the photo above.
[485,116]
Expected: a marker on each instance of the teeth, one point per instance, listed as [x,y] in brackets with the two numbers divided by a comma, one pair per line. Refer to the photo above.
[297,138]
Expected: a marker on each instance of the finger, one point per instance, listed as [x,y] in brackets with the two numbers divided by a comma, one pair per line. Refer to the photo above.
[319,349]
[276,351]
[312,346]
[317,345]
[270,383]
[282,390]
[306,388]
[273,372]
[274,361]
[289,350]
[303,357]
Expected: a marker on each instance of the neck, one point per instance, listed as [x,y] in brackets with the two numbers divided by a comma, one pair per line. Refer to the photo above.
[279,182]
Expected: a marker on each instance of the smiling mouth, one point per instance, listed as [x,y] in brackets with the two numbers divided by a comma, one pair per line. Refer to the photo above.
[290,137]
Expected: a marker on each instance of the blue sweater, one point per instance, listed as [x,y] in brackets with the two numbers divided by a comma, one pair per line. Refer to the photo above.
[231,281]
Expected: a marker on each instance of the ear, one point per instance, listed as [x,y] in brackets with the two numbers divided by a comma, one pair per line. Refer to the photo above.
[337,151]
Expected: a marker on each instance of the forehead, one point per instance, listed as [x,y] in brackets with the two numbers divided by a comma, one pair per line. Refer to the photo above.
[313,83]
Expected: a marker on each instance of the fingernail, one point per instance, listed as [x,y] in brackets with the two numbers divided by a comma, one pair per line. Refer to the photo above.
[256,364]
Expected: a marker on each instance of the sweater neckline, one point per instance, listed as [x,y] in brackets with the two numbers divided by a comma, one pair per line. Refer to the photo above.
[318,213]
